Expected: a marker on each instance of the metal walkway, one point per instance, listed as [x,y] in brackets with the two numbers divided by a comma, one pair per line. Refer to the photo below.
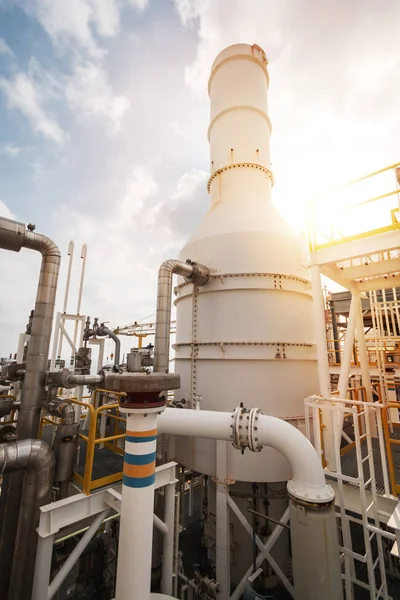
[349,463]
[106,462]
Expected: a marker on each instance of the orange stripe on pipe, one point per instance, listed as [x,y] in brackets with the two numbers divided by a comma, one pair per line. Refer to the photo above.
[139,470]
[141,433]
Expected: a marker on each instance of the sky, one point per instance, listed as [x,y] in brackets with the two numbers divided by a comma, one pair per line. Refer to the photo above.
[103,122]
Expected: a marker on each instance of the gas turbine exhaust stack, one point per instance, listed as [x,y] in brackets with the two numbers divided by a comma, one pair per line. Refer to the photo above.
[247,336]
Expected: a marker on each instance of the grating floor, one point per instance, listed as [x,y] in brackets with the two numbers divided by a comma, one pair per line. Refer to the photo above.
[349,462]
[106,462]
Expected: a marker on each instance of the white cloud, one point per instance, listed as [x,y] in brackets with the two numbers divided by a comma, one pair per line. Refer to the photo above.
[223,23]
[138,4]
[69,23]
[73,24]
[140,187]
[181,212]
[5,211]
[5,48]
[11,150]
[188,184]
[118,250]
[25,95]
[88,92]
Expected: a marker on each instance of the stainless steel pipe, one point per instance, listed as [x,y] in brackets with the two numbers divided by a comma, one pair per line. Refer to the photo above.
[37,460]
[193,273]
[14,236]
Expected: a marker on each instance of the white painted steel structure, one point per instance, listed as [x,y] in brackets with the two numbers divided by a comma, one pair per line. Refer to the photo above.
[137,503]
[247,334]
[364,414]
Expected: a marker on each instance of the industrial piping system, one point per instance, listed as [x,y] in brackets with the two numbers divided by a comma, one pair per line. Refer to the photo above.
[14,236]
[37,460]
[317,571]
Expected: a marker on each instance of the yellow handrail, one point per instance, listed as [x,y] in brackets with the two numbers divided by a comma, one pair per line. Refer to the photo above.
[334,238]
[88,484]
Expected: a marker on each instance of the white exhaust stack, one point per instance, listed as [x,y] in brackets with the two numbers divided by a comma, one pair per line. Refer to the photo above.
[246,336]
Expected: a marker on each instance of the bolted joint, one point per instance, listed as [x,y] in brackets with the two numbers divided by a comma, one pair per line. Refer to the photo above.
[245,429]
[200,274]
[58,379]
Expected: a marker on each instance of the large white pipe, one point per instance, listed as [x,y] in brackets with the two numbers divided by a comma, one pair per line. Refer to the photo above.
[137,503]
[308,481]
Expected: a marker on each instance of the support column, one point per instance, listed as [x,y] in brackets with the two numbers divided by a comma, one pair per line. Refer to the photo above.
[137,505]
[168,542]
[348,344]
[323,365]
[222,524]
[315,552]
[365,375]
[41,580]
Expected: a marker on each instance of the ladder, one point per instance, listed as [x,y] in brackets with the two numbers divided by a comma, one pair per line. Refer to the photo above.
[364,480]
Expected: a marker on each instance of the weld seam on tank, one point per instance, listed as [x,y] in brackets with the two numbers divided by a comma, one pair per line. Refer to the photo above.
[240,107]
[246,165]
[262,64]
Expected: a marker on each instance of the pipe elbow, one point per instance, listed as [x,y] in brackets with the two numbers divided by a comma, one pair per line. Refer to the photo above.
[41,458]
[43,244]
[308,482]
[29,455]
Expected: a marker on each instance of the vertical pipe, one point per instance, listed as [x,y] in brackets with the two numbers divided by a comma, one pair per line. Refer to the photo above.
[348,344]
[42,567]
[176,543]
[222,523]
[335,333]
[163,311]
[32,394]
[23,337]
[71,256]
[80,291]
[323,364]
[365,375]
[57,332]
[137,505]
[315,551]
[168,542]
[320,333]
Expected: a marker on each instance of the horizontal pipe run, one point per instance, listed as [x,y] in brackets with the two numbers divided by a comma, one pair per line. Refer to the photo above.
[308,482]
[85,379]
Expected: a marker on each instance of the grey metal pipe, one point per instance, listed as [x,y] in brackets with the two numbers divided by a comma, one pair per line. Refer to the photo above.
[113,336]
[7,405]
[84,379]
[75,554]
[37,460]
[65,449]
[38,352]
[14,236]
[193,273]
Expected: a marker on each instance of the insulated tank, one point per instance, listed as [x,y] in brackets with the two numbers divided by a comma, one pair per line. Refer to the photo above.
[246,336]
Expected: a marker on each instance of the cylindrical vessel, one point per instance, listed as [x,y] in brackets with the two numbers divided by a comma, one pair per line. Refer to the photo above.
[316,559]
[136,525]
[247,335]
